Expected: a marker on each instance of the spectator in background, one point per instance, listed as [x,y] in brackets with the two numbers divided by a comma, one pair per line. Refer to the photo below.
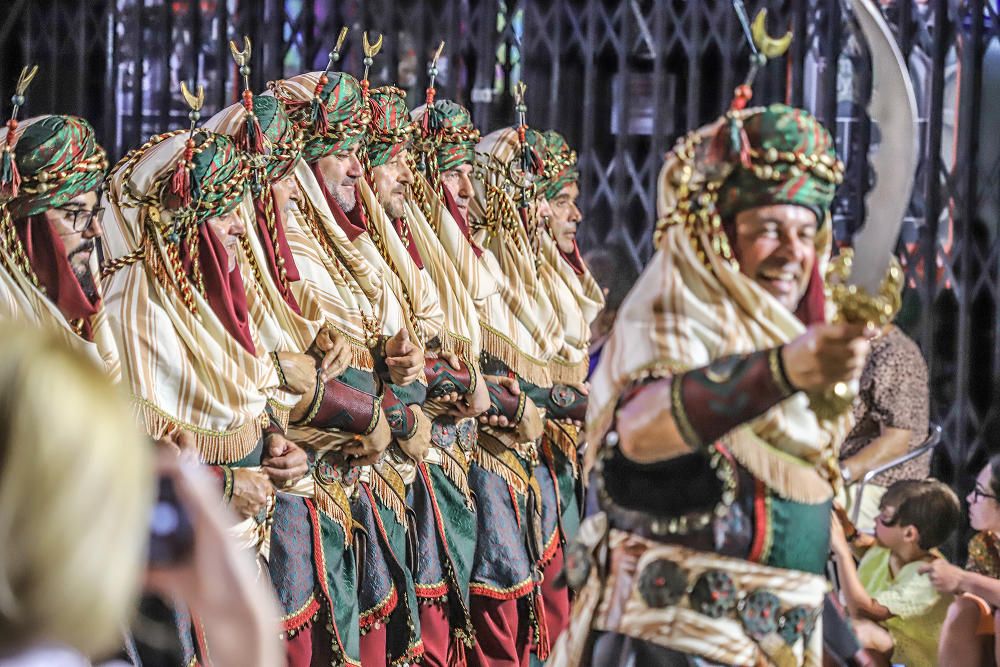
[891,418]
[894,609]
[968,638]
[613,267]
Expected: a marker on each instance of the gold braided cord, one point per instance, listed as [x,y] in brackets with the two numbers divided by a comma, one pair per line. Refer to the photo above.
[111,267]
[194,252]
[13,248]
[379,242]
[372,325]
[258,282]
[271,221]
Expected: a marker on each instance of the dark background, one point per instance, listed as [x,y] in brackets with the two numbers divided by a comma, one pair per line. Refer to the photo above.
[622,80]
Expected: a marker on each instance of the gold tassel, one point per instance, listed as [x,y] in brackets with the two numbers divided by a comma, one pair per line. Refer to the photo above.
[332,500]
[491,455]
[456,468]
[564,438]
[391,492]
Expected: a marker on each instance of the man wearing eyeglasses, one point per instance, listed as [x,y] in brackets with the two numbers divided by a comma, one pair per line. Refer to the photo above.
[49,221]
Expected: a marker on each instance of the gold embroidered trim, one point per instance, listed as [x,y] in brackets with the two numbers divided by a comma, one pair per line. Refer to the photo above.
[456,468]
[777,372]
[388,487]
[332,500]
[684,426]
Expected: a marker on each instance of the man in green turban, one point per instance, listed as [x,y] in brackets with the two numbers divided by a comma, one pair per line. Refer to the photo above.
[49,225]
[715,474]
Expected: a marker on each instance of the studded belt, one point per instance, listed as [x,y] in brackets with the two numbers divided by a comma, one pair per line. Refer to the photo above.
[724,609]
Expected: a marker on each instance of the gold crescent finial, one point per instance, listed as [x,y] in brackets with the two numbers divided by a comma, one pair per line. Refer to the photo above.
[437,54]
[371,50]
[519,90]
[193,101]
[771,47]
[241,57]
[28,73]
[340,39]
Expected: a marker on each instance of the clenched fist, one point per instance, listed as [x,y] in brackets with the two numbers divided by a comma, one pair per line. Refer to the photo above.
[825,355]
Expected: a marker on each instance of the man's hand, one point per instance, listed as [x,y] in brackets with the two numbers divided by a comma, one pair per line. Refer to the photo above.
[456,364]
[826,354]
[300,373]
[336,352]
[250,491]
[367,449]
[417,446]
[284,462]
[532,424]
[404,359]
[179,442]
[475,403]
[944,577]
[511,385]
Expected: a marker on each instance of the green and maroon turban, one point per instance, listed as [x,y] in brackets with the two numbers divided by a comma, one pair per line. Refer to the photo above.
[283,137]
[560,164]
[391,129]
[448,134]
[790,159]
[58,158]
[341,128]
[217,179]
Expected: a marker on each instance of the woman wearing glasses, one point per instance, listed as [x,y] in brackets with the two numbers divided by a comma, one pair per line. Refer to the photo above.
[969,634]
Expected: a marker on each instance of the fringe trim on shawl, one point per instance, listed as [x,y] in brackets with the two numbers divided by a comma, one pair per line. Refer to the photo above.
[789,477]
[391,492]
[459,345]
[503,348]
[566,372]
[455,467]
[563,437]
[214,447]
[361,356]
[493,456]
[332,500]
[280,413]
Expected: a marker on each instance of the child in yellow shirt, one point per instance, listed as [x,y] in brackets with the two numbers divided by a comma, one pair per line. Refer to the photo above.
[894,609]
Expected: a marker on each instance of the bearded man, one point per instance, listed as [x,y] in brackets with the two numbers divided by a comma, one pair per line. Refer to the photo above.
[49,225]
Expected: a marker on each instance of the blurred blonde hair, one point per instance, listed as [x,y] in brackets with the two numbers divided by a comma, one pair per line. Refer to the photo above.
[76,486]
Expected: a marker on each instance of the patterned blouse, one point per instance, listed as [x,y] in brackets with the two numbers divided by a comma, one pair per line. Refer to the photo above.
[893,393]
[984,555]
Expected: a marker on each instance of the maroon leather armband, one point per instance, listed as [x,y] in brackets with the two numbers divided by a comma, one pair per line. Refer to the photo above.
[711,401]
[442,379]
[402,422]
[505,404]
[338,405]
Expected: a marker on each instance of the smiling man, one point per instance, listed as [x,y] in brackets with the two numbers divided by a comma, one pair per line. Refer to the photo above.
[714,473]
[51,225]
